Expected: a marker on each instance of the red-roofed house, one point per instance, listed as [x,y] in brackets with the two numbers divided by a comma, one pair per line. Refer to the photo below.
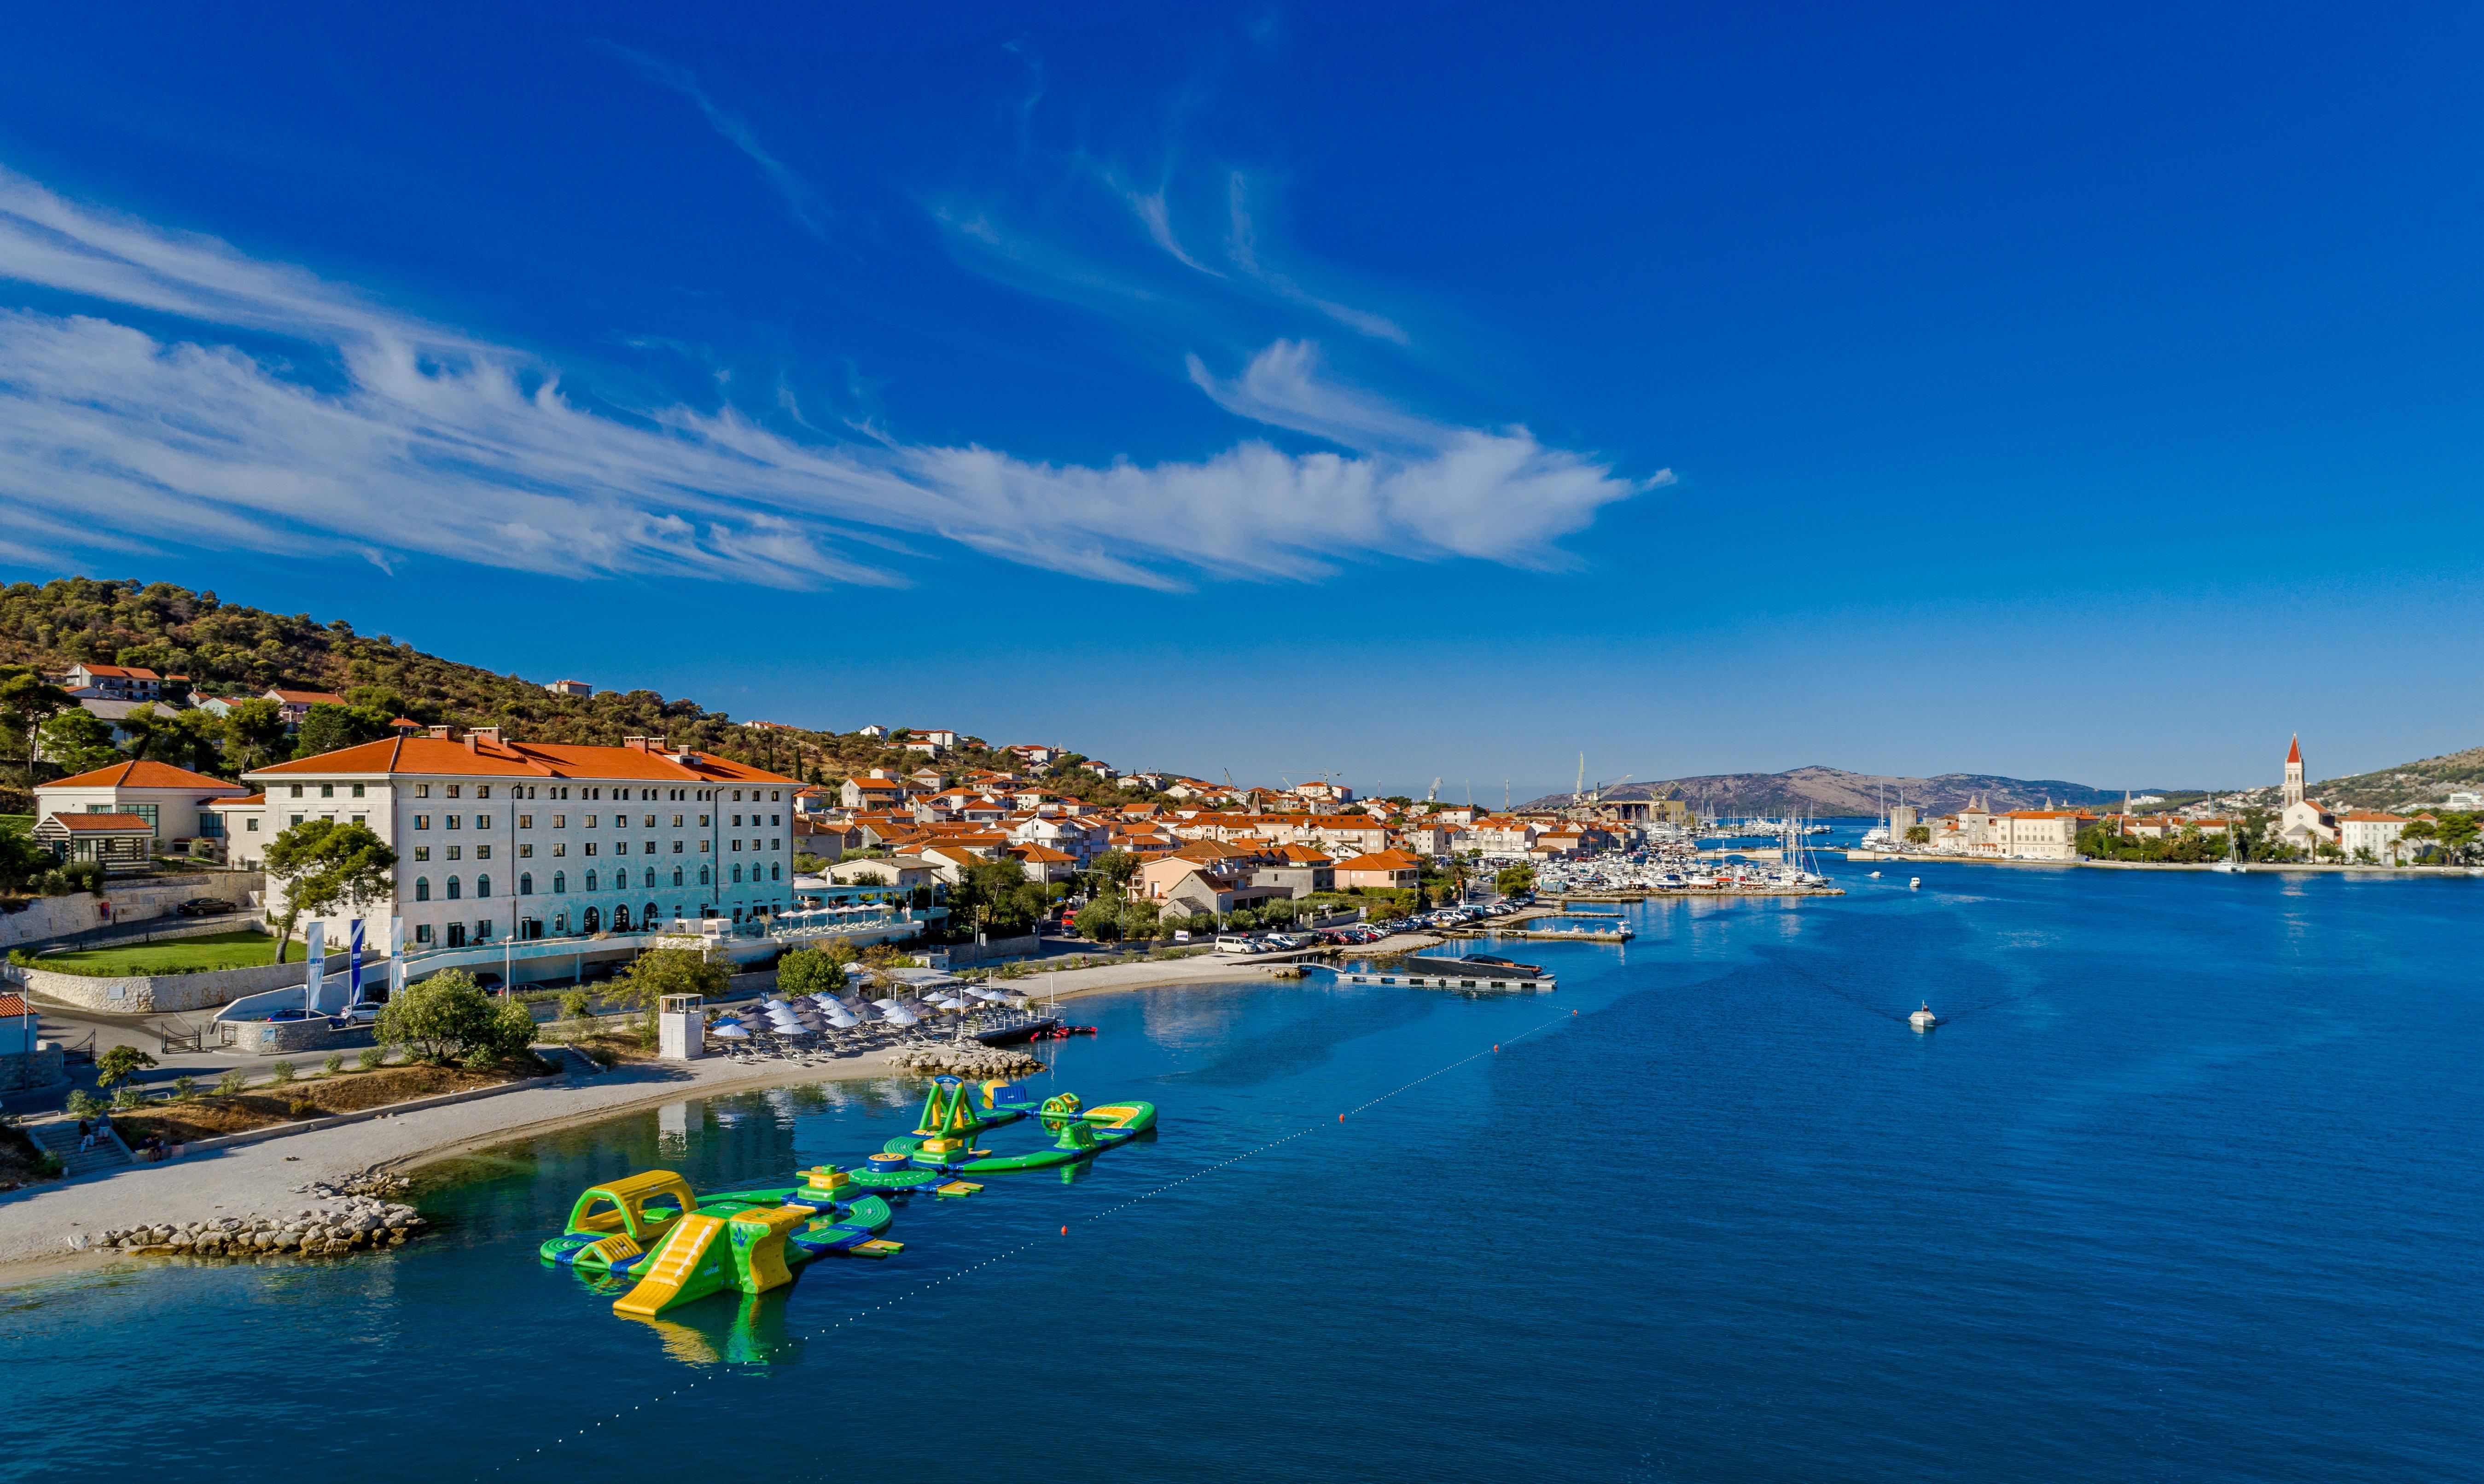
[124,683]
[121,842]
[296,704]
[1381,869]
[172,800]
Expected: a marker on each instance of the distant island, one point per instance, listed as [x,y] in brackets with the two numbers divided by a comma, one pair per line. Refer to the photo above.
[1833,792]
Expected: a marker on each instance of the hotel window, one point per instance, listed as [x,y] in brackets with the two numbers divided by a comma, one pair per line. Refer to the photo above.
[422,790]
[456,853]
[423,853]
[297,791]
[703,847]
[590,848]
[677,880]
[702,875]
[453,821]
[422,888]
[358,790]
[737,872]
[452,791]
[736,845]
[737,822]
[777,820]
[326,791]
[620,847]
[483,821]
[561,847]
[705,821]
[560,822]
[590,881]
[649,849]
[525,852]
[452,888]
[775,873]
[422,933]
[677,847]
[361,819]
[676,822]
[589,823]
[775,795]
[559,883]
[482,886]
[482,852]
[560,923]
[525,822]
[484,791]
[297,819]
[250,826]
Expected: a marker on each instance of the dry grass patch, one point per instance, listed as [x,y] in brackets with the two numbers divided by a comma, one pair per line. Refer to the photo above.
[293,1101]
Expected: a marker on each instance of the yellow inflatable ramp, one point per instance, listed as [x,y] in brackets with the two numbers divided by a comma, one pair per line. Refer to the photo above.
[692,1264]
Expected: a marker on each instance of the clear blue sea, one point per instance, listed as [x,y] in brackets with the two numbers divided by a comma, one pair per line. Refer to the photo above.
[2188,1188]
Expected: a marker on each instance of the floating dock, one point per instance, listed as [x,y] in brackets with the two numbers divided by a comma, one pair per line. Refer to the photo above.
[1454,974]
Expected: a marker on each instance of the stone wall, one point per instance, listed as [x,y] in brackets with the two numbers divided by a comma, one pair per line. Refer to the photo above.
[149,994]
[276,1038]
[960,954]
[40,1067]
[131,901]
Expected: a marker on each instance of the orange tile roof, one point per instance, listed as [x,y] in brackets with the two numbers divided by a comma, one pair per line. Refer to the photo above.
[1041,854]
[141,773]
[440,756]
[1382,860]
[11,1004]
[101,823]
[305,697]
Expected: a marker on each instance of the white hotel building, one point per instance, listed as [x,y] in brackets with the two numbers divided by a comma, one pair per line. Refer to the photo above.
[498,839]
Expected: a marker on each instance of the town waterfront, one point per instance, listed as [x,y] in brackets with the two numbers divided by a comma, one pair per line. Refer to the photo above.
[2185,1188]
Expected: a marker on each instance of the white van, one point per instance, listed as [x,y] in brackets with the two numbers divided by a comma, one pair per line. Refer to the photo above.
[1235,943]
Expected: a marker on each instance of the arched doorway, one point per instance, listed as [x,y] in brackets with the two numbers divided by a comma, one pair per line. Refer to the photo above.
[647,914]
[621,919]
[457,935]
[593,922]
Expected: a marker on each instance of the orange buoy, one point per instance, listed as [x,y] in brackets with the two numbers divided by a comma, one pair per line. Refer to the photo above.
[1065,1231]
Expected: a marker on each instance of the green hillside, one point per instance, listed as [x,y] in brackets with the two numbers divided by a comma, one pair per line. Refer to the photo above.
[230,650]
[2429,782]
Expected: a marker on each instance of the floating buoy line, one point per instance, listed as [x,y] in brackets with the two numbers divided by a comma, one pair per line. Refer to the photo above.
[861,1316]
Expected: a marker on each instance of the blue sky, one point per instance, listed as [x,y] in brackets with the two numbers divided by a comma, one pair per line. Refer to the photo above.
[2086,396]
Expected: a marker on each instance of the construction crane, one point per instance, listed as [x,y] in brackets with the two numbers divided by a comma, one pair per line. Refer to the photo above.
[1434,797]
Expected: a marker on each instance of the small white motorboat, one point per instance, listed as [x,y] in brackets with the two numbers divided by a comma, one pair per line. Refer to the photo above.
[1914,882]
[1924,1019]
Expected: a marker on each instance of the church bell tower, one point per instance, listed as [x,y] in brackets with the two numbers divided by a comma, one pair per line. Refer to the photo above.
[2294,772]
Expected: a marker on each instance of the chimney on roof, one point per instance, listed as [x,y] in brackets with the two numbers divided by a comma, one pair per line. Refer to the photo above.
[644,743]
[443,733]
[481,734]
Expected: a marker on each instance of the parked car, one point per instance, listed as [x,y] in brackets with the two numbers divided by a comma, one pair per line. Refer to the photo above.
[1235,943]
[203,907]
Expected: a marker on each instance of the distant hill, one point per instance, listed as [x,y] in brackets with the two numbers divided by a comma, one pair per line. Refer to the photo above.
[1833,790]
[230,650]
[2408,784]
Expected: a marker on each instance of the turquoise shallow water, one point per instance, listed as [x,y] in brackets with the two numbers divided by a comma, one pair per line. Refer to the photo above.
[2187,1189]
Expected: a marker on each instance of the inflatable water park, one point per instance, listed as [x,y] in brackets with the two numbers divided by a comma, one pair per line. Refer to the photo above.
[676,1246]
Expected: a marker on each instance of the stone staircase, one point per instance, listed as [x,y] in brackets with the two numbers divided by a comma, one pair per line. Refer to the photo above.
[62,1138]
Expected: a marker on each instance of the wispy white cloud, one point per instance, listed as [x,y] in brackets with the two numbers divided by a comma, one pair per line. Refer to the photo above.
[1242,245]
[800,198]
[144,420]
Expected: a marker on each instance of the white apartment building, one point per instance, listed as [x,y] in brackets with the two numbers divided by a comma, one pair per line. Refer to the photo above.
[497,838]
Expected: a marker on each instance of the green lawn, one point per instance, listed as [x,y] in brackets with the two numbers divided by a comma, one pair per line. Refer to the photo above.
[178,956]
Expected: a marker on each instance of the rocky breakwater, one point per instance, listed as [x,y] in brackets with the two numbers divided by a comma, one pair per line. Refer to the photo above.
[331,1229]
[969,1060]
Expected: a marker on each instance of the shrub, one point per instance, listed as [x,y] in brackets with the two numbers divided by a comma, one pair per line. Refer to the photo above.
[300,1108]
[232,1083]
[575,1004]
[279,1072]
[446,1017]
[82,1104]
[48,1165]
[334,1064]
[127,1095]
[809,971]
[481,1059]
[369,1058]
[185,1088]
